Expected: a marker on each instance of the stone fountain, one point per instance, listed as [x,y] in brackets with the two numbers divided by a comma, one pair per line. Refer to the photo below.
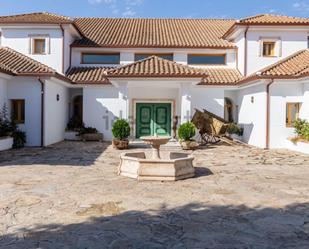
[167,167]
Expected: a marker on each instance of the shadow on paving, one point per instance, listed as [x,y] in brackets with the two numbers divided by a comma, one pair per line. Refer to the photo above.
[190,226]
[63,153]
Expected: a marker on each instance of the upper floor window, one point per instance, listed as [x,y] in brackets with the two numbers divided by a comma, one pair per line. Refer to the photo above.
[101,58]
[18,111]
[39,44]
[292,113]
[144,56]
[269,48]
[206,59]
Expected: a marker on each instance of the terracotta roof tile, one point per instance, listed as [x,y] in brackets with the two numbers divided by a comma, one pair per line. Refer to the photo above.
[133,32]
[39,17]
[221,76]
[294,66]
[154,66]
[273,19]
[88,75]
[19,64]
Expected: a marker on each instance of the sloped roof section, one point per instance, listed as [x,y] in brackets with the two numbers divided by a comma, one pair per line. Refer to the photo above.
[89,75]
[19,64]
[135,32]
[274,20]
[292,67]
[39,17]
[154,66]
[221,76]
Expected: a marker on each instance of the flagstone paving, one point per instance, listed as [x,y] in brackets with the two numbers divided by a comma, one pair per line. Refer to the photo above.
[70,196]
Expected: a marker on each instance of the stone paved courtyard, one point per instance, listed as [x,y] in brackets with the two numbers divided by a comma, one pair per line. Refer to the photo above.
[69,196]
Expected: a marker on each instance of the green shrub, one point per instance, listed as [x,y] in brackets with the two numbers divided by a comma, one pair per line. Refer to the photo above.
[121,129]
[19,138]
[6,126]
[186,131]
[235,129]
[302,128]
[87,130]
[75,124]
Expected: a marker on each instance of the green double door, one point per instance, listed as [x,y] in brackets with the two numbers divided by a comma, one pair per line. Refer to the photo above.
[153,118]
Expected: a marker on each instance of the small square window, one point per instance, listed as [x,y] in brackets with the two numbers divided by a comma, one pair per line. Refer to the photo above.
[269,48]
[18,111]
[39,46]
[292,113]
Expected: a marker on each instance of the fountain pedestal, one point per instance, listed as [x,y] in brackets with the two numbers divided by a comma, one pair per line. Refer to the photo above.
[155,143]
[174,166]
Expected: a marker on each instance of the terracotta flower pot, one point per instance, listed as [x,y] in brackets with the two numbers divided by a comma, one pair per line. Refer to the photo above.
[92,137]
[120,144]
[189,145]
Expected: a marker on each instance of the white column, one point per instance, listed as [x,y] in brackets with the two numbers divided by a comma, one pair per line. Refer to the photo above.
[123,100]
[185,98]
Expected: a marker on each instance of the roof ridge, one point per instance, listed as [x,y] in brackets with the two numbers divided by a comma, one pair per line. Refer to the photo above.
[154,57]
[159,18]
[251,17]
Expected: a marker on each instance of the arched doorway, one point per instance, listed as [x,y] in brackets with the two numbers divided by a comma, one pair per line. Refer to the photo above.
[228,110]
[78,107]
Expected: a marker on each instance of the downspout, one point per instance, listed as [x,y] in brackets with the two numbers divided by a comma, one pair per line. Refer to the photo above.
[245,52]
[42,111]
[62,29]
[268,112]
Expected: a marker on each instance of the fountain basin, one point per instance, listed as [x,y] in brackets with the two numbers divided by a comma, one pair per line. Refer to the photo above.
[175,166]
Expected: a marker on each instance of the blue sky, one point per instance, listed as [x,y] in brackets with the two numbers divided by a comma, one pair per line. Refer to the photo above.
[158,8]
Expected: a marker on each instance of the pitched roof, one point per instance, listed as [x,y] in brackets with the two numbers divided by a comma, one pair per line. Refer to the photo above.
[267,19]
[17,64]
[221,76]
[134,32]
[88,75]
[292,67]
[154,66]
[39,17]
[274,20]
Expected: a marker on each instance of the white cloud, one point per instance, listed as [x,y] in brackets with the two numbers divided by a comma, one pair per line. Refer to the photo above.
[101,1]
[134,2]
[301,6]
[128,12]
[126,8]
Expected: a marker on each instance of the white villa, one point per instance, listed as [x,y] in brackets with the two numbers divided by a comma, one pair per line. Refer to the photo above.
[253,71]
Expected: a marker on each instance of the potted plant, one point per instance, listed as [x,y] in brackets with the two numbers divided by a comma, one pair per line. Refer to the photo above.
[121,132]
[6,130]
[73,129]
[186,132]
[235,131]
[90,134]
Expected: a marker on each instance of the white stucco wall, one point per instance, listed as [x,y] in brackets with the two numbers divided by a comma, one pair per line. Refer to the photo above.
[56,112]
[252,116]
[304,112]
[18,38]
[102,105]
[29,89]
[292,40]
[3,92]
[240,43]
[281,93]
[211,99]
